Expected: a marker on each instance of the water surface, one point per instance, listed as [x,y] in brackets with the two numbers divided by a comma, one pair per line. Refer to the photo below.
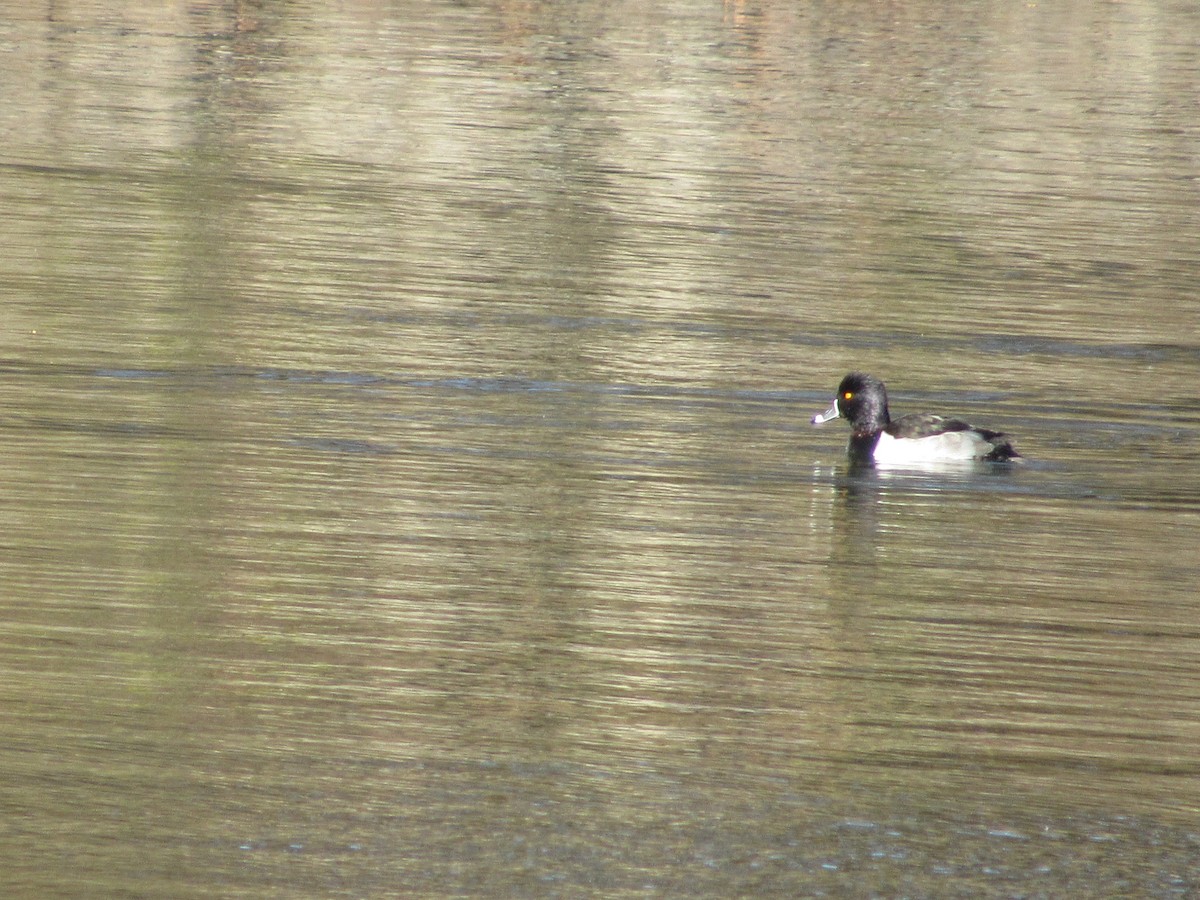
[409,483]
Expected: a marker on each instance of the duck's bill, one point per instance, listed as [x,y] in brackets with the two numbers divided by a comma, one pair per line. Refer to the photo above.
[827,416]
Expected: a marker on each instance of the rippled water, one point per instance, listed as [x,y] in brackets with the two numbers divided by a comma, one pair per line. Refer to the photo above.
[409,486]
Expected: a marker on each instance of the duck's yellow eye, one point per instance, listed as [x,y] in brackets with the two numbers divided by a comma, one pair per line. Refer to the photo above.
[849,395]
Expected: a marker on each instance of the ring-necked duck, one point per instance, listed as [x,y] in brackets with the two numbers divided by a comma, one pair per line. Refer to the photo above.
[917,438]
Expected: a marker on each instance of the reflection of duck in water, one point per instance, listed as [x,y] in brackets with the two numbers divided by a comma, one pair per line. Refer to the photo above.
[917,438]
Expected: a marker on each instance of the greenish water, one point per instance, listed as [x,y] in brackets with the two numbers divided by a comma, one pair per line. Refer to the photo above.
[409,486]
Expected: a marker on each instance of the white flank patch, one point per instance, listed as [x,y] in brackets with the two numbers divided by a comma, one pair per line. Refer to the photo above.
[952,445]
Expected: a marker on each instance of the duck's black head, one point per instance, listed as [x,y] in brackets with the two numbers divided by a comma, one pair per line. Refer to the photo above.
[862,400]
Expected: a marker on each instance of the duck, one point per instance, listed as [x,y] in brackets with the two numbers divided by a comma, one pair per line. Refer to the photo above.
[919,438]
